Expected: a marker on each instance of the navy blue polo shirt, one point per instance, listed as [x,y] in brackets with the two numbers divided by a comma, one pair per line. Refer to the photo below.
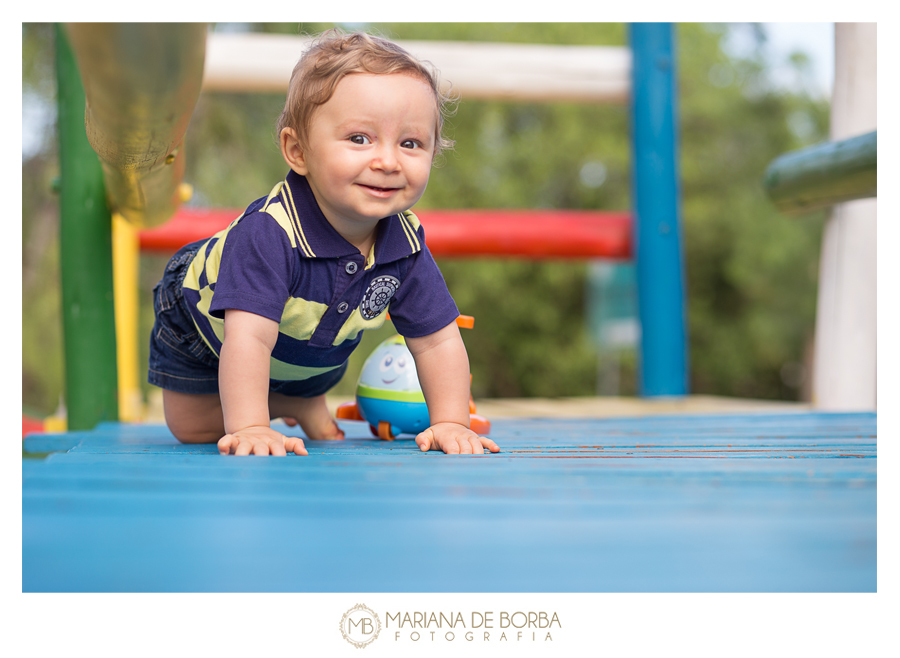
[281,259]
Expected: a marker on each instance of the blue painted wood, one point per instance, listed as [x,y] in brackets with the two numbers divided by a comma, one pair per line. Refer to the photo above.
[657,209]
[705,504]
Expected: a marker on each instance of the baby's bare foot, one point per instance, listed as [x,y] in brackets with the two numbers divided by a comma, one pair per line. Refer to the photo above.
[335,433]
[311,414]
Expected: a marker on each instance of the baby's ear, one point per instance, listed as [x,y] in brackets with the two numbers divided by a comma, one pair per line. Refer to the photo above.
[292,151]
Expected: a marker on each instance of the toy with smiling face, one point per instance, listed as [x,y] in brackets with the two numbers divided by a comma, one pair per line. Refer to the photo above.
[389,392]
[389,396]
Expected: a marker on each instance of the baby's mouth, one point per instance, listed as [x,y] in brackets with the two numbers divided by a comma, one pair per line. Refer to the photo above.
[379,190]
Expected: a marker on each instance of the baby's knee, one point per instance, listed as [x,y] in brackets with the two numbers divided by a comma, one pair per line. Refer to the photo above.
[195,436]
[193,418]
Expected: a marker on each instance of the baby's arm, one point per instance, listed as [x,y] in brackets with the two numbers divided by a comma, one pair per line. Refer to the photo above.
[443,368]
[244,387]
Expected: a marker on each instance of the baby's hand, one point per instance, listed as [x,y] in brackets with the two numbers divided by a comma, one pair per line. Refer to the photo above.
[260,440]
[454,439]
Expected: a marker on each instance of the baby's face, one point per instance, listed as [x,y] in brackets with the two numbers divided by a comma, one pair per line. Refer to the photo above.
[370,149]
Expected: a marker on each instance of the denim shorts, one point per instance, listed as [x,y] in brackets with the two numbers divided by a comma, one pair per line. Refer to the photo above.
[182,362]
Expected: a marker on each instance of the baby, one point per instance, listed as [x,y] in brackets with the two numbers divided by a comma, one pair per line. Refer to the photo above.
[257,322]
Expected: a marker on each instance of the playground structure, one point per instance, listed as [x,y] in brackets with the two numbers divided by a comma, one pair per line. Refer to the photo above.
[643,73]
[716,503]
[141,165]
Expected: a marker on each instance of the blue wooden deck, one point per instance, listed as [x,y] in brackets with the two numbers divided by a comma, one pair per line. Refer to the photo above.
[750,503]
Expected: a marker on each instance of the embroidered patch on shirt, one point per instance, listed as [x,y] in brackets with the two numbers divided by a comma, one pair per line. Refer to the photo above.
[378,296]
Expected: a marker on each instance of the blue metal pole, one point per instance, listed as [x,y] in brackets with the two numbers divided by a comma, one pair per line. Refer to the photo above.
[657,210]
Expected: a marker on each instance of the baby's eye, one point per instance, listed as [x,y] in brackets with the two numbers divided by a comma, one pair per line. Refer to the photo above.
[410,144]
[359,139]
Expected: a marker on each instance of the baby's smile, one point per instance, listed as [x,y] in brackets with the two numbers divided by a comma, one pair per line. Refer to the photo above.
[379,191]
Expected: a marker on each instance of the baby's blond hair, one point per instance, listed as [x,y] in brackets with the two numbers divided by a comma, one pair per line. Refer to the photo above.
[334,55]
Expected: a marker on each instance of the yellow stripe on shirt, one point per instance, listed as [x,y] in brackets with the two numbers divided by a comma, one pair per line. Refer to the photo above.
[410,231]
[292,211]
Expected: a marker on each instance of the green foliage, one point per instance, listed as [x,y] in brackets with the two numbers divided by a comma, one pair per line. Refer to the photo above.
[751,272]
[529,337]
[232,156]
[42,357]
[573,34]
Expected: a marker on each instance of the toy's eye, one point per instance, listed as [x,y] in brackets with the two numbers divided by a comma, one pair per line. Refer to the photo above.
[401,364]
[386,363]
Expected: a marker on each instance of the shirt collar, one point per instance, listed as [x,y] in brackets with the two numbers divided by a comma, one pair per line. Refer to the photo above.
[397,236]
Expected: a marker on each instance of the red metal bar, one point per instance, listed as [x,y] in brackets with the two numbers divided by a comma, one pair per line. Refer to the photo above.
[187,225]
[456,233]
[31,425]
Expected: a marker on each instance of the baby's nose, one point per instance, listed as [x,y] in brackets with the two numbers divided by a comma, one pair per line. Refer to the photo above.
[385,159]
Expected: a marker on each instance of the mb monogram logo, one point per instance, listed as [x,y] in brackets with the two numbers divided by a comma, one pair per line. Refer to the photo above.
[360,626]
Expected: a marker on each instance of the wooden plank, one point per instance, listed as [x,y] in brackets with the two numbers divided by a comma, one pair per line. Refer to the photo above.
[263,63]
[783,502]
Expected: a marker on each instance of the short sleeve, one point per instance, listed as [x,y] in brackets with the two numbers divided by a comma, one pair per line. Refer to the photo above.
[422,304]
[256,269]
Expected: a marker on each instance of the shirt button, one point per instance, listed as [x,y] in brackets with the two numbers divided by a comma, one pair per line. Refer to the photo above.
[351,268]
[342,307]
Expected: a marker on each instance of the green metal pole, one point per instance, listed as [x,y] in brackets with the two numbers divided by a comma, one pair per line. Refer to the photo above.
[85,258]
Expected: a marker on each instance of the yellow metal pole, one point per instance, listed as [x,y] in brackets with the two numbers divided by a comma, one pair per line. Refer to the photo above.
[125,292]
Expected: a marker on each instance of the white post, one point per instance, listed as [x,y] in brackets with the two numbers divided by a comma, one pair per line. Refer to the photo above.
[844,377]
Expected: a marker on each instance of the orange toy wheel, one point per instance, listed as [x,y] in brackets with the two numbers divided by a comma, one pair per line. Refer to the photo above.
[384,430]
[348,411]
[479,424]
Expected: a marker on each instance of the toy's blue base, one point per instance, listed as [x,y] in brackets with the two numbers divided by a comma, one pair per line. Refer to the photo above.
[404,417]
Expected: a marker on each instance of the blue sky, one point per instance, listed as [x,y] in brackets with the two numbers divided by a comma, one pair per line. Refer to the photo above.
[815,39]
